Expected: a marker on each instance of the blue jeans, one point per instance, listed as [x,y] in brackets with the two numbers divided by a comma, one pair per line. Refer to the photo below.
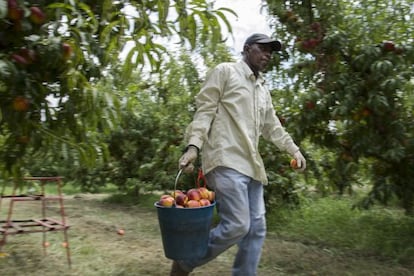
[240,205]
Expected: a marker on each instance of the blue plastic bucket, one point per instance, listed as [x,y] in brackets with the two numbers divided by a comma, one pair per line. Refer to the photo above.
[185,231]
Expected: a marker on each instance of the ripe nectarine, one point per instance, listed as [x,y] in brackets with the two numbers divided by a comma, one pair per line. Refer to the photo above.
[388,46]
[294,164]
[193,194]
[166,201]
[24,139]
[204,193]
[181,199]
[66,51]
[19,59]
[21,104]
[193,203]
[176,192]
[211,196]
[15,12]
[204,202]
[37,16]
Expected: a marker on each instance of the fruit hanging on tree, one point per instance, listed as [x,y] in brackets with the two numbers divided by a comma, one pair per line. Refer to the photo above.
[21,104]
[37,16]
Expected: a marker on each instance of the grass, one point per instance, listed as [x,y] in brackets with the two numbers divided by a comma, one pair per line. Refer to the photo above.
[383,231]
[324,237]
[331,221]
[96,248]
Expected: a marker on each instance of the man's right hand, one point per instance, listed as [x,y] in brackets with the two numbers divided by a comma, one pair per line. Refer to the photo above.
[187,159]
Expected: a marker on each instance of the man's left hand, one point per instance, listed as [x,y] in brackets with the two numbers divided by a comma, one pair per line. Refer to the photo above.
[301,161]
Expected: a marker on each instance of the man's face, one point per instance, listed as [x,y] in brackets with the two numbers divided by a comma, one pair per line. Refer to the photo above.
[258,56]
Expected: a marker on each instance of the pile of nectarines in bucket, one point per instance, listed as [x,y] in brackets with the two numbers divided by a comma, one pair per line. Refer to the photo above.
[185,219]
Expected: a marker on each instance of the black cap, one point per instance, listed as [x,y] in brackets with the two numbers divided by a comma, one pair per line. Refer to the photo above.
[264,39]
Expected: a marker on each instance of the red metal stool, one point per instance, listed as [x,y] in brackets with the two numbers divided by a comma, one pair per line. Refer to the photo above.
[45,224]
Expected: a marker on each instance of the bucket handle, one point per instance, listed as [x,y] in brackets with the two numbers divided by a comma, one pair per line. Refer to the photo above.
[176,180]
[175,184]
[200,176]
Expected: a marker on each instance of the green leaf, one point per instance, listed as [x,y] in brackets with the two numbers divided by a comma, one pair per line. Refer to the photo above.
[57,5]
[3,9]
[163,7]
[224,17]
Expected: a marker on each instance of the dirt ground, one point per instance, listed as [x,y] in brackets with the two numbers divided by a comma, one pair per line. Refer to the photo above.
[97,249]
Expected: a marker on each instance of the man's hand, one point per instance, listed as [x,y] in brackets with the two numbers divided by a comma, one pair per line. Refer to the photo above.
[186,161]
[301,161]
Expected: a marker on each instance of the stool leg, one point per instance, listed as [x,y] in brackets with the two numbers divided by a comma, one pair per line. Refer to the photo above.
[4,235]
[3,241]
[66,243]
[62,213]
[42,193]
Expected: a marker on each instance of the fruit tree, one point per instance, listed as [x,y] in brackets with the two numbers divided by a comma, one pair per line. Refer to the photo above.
[52,53]
[349,77]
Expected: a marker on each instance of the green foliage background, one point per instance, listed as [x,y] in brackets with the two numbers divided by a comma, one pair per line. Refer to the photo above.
[342,86]
[348,82]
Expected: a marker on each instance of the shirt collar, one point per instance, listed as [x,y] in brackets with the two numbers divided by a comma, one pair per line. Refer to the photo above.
[249,73]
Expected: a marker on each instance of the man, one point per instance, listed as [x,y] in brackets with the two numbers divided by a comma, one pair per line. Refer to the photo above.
[233,110]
